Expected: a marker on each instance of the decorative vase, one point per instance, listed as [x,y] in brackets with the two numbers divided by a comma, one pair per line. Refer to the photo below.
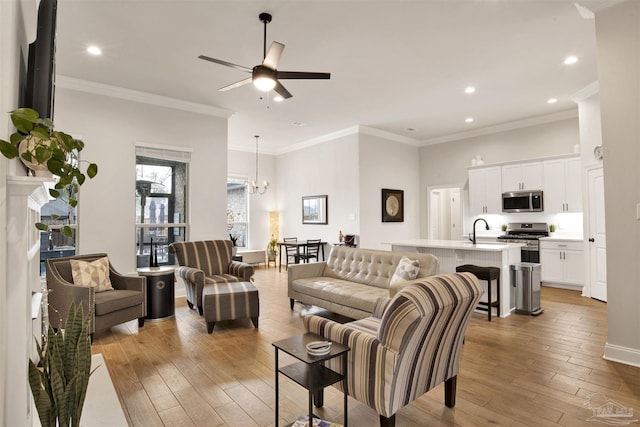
[29,144]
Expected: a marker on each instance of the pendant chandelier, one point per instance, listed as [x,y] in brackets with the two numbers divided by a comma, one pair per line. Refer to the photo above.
[253,188]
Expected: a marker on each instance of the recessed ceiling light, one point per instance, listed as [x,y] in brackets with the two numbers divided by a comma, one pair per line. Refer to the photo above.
[552,100]
[469,89]
[469,120]
[278,98]
[570,60]
[94,50]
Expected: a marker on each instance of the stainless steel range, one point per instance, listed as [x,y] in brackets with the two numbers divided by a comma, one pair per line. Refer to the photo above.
[527,233]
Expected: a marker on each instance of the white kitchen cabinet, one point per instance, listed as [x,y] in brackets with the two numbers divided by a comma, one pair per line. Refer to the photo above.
[484,190]
[522,176]
[562,262]
[562,185]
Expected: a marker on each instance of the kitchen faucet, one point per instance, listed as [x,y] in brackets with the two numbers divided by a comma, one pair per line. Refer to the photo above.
[474,228]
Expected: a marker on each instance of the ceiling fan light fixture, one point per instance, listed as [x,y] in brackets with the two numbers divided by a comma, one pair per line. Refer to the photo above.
[263,78]
[265,84]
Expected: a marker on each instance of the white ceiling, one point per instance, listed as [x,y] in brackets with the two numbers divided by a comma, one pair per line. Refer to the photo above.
[394,64]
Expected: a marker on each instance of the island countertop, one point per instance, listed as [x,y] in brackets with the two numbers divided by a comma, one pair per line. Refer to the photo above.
[452,253]
[454,244]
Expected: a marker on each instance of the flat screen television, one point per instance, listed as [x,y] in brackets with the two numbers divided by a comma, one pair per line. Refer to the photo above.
[40,90]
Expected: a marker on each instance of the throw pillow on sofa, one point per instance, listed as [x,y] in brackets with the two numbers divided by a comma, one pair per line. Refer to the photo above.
[94,273]
[407,269]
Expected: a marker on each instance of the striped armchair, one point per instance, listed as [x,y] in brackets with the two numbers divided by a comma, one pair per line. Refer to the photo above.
[410,344]
[207,262]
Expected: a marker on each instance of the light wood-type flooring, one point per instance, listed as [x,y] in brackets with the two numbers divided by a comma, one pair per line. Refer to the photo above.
[516,371]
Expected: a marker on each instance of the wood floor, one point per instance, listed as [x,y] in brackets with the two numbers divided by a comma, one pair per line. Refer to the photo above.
[517,371]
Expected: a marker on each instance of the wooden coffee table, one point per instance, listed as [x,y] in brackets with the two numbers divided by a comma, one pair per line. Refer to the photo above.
[310,371]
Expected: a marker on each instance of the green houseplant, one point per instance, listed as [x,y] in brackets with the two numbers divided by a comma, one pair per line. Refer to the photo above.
[41,148]
[59,380]
[272,248]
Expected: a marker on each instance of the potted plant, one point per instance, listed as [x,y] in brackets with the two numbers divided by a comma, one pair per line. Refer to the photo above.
[272,249]
[552,228]
[503,227]
[48,152]
[59,379]
[234,240]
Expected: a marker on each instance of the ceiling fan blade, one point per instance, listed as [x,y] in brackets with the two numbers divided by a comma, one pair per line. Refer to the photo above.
[228,64]
[273,56]
[236,84]
[282,91]
[302,75]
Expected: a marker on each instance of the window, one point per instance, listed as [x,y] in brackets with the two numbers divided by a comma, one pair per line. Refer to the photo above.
[161,214]
[56,214]
[238,211]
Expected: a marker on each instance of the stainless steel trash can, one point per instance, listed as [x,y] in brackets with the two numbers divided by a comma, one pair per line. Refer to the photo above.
[525,278]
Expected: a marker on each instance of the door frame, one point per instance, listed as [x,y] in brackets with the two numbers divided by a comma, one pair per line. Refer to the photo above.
[460,188]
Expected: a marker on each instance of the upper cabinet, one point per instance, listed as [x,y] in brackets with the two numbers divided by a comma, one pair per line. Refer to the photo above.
[559,177]
[522,176]
[562,185]
[484,196]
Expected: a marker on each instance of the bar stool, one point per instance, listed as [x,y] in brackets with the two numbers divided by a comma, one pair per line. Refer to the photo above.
[488,274]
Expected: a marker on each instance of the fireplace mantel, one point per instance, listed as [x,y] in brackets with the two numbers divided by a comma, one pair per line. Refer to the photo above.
[25,197]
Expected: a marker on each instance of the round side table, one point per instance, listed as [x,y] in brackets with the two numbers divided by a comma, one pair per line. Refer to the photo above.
[161,301]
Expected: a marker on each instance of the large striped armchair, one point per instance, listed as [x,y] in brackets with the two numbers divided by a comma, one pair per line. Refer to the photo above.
[207,262]
[410,344]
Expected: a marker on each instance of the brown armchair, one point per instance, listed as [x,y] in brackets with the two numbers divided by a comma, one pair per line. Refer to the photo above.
[207,262]
[127,300]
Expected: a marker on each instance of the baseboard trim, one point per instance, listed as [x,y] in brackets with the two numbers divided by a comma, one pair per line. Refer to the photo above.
[626,355]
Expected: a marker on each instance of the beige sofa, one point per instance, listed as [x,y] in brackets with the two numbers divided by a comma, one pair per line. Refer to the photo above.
[352,279]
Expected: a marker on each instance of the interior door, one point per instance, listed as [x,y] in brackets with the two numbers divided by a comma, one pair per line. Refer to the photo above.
[597,235]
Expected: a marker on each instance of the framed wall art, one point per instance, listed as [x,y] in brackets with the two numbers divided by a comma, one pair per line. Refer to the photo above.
[314,210]
[392,205]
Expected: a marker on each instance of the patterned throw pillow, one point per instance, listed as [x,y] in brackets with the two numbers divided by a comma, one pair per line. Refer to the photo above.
[94,273]
[407,269]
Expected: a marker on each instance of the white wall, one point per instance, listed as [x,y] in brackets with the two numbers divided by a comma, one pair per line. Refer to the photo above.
[590,124]
[392,165]
[110,128]
[243,164]
[329,168]
[446,164]
[618,47]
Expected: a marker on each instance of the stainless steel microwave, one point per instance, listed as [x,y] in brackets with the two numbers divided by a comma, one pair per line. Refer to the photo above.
[522,201]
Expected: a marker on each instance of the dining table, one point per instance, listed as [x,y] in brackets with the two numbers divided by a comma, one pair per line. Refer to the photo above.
[301,247]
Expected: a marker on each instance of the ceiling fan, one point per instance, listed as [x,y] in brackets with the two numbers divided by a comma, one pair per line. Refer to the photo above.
[266,76]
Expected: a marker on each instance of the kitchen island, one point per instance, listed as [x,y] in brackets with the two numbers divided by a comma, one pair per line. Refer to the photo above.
[452,253]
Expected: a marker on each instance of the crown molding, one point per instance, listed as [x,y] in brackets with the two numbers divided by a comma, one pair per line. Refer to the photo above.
[320,139]
[586,92]
[388,135]
[138,96]
[503,127]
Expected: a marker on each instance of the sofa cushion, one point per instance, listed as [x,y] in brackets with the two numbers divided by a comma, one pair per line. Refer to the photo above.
[221,278]
[407,269]
[373,267]
[344,292]
[108,302]
[91,273]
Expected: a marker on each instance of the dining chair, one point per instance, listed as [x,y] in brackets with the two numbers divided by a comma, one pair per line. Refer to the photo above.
[350,240]
[291,251]
[311,250]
